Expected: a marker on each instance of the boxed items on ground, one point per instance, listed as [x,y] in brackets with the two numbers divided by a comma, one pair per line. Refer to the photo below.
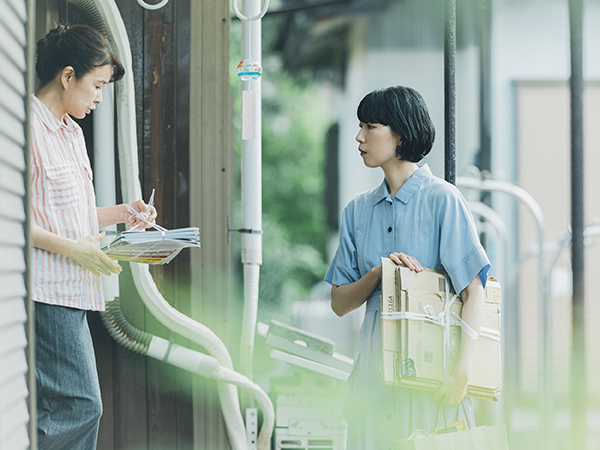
[421,332]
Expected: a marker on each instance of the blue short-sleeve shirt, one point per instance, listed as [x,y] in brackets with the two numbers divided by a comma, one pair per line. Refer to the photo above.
[428,219]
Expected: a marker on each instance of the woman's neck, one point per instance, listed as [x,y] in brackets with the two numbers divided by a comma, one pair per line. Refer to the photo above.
[397,174]
[49,97]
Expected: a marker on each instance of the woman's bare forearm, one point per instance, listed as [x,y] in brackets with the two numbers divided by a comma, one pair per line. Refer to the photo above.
[51,242]
[472,314]
[454,388]
[348,297]
[110,215]
[84,252]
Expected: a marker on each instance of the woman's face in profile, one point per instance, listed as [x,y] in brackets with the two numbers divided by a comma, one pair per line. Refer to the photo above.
[83,95]
[377,144]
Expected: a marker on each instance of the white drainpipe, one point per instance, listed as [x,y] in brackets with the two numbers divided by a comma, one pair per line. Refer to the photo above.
[251,171]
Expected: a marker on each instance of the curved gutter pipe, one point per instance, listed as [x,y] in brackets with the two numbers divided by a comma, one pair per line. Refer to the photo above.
[104,15]
[193,361]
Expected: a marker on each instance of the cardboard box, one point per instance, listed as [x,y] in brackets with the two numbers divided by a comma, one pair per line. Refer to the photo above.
[413,348]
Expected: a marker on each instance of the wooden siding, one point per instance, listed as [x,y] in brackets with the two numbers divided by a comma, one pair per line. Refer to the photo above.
[14,392]
[210,178]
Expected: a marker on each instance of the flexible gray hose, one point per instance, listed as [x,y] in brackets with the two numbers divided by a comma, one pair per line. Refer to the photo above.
[121,329]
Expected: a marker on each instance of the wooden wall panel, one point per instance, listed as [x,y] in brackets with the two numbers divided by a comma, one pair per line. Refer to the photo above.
[211,297]
[147,404]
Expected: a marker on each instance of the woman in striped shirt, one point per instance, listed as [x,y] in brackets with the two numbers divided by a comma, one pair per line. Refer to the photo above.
[74,63]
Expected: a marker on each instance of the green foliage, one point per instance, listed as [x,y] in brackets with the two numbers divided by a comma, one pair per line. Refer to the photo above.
[295,122]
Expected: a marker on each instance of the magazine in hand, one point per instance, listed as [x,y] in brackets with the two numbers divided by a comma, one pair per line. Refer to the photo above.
[151,247]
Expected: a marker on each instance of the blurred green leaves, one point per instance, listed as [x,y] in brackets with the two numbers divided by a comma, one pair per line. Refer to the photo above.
[294,125]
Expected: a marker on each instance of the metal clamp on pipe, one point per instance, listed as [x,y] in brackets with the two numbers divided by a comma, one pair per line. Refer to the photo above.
[241,230]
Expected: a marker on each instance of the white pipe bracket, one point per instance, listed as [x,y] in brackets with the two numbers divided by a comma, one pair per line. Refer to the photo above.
[254,18]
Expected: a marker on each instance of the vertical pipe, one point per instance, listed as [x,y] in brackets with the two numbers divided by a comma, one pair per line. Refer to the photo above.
[251,194]
[104,171]
[450,91]
[578,375]
[30,86]
[485,84]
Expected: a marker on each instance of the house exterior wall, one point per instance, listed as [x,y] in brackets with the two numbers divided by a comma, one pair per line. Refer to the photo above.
[531,44]
[14,302]
[543,169]
[403,45]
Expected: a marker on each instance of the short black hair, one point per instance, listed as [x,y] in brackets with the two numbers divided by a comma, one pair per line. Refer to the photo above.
[82,47]
[404,111]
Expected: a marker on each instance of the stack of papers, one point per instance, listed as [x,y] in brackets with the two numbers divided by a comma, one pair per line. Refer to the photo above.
[152,247]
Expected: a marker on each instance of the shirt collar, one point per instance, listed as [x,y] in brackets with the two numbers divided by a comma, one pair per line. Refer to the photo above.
[408,189]
[48,119]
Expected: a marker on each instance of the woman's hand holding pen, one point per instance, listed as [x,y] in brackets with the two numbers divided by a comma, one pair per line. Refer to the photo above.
[147,211]
[141,215]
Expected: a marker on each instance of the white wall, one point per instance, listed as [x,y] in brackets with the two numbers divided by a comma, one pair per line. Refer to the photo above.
[421,69]
[531,42]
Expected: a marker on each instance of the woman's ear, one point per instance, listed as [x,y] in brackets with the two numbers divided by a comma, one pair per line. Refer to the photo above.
[67,76]
[399,148]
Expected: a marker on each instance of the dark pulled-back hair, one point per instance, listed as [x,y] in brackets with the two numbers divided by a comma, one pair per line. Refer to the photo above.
[79,46]
[404,111]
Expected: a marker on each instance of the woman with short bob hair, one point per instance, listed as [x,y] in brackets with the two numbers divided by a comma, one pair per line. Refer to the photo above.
[403,110]
[74,64]
[418,220]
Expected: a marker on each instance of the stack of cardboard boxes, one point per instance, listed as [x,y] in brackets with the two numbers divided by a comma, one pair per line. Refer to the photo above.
[414,352]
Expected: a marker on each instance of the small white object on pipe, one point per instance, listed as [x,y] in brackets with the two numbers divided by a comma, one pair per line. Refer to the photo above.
[248,115]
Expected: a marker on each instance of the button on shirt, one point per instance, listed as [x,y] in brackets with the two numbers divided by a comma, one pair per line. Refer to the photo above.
[62,202]
[428,219]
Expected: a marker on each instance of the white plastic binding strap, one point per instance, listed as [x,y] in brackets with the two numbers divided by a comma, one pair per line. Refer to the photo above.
[445,319]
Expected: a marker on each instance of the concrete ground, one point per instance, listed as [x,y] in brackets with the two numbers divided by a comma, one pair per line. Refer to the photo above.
[524,435]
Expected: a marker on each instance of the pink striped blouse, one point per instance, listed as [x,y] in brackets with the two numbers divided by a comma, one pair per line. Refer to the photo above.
[62,202]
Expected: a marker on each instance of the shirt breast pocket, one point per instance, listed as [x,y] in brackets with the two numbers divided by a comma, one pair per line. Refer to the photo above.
[417,241]
[62,186]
